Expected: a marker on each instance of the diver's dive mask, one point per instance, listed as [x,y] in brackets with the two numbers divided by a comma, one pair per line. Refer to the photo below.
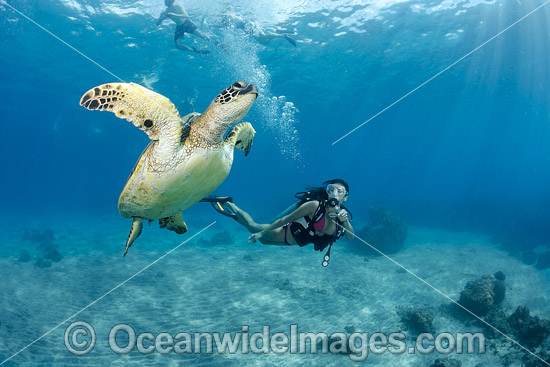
[336,190]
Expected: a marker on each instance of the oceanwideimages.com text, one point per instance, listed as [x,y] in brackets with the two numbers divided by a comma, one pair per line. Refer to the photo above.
[123,339]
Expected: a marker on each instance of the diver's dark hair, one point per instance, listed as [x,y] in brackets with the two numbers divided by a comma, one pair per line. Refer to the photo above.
[318,192]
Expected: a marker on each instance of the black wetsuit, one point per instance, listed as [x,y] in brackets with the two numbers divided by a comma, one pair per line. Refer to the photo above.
[304,232]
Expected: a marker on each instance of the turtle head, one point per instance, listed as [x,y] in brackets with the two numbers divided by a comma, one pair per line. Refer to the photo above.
[231,105]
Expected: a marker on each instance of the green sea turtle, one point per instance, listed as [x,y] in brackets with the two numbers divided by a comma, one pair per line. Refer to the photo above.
[188,157]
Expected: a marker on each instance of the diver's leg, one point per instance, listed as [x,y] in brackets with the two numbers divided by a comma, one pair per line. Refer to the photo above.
[178,35]
[266,37]
[205,37]
[202,35]
[262,38]
[277,237]
[245,219]
[184,47]
[273,237]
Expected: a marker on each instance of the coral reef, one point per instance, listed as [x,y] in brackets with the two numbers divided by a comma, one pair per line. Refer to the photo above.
[541,260]
[417,320]
[530,330]
[528,230]
[386,232]
[48,250]
[41,263]
[480,295]
[35,235]
[24,256]
[531,361]
[497,318]
[499,287]
[483,297]
[528,256]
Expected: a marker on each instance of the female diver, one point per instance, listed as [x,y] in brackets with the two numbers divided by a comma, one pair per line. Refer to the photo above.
[319,217]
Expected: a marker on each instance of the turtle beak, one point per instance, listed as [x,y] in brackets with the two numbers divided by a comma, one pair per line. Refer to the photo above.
[250,88]
[243,88]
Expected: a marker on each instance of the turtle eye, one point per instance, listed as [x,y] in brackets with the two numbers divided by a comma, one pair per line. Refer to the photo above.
[238,85]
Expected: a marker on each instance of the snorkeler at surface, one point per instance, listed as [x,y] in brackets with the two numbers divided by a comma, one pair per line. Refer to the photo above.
[319,218]
[183,25]
[230,19]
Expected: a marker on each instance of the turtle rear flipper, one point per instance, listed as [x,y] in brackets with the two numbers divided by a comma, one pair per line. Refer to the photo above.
[241,136]
[135,231]
[149,111]
[174,223]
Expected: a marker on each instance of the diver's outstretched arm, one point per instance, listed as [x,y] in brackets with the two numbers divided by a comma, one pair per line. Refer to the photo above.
[162,17]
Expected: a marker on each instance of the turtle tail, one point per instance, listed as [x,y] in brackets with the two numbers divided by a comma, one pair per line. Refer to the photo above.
[135,231]
[241,136]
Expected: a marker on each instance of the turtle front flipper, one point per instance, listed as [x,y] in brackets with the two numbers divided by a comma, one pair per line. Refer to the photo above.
[135,231]
[147,110]
[174,223]
[241,136]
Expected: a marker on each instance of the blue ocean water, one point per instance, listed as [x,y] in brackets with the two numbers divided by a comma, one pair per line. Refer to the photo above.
[464,160]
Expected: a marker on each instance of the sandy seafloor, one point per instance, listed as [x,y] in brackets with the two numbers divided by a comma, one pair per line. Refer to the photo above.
[219,282]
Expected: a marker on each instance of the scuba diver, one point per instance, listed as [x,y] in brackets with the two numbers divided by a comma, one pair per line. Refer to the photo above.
[183,25]
[318,217]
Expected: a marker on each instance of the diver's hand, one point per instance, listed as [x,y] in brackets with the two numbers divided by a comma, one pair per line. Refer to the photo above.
[254,237]
[342,215]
